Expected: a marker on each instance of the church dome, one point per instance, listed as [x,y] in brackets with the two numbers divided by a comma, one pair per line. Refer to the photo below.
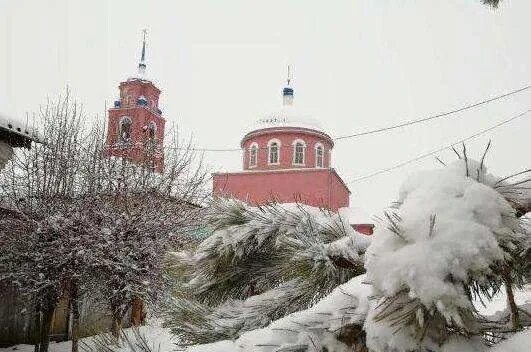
[287,116]
[286,139]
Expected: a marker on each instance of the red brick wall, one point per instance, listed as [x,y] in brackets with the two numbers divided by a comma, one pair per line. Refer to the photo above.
[286,136]
[131,90]
[315,187]
[141,116]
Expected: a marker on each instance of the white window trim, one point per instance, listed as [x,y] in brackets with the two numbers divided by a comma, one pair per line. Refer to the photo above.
[253,145]
[319,145]
[271,141]
[294,144]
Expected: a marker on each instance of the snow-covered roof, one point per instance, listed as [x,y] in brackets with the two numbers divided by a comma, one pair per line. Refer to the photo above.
[140,78]
[287,116]
[20,131]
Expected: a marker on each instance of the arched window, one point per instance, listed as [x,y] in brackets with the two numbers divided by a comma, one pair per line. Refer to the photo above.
[253,155]
[319,155]
[152,130]
[125,129]
[274,151]
[298,151]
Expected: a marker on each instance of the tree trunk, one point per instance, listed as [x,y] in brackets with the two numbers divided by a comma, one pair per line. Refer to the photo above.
[74,306]
[137,312]
[117,317]
[515,317]
[38,327]
[47,316]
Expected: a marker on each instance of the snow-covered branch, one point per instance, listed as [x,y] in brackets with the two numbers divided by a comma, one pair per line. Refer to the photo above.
[259,265]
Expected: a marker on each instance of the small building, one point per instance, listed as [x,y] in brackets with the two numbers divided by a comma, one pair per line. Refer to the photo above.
[286,158]
[13,134]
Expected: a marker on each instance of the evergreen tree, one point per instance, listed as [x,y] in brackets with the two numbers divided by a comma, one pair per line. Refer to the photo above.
[453,237]
[259,265]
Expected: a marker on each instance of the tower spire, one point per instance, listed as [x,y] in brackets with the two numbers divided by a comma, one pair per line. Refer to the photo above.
[287,92]
[142,63]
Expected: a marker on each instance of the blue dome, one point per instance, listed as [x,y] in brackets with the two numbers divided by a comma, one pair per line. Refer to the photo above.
[142,101]
[117,103]
[287,91]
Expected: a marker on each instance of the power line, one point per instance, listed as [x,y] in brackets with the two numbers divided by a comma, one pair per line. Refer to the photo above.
[383,129]
[439,149]
[447,113]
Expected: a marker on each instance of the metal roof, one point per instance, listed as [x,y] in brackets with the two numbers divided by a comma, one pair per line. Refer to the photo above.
[16,133]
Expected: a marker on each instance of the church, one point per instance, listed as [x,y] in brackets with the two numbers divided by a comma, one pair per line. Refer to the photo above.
[135,126]
[286,156]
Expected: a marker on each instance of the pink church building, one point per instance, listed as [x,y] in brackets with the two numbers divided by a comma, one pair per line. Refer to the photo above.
[135,125]
[286,158]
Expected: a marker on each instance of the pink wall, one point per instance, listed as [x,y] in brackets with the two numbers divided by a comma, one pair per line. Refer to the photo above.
[366,229]
[315,187]
[131,90]
[141,116]
[286,136]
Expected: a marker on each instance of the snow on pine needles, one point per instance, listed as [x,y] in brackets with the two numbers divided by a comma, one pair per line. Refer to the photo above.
[449,239]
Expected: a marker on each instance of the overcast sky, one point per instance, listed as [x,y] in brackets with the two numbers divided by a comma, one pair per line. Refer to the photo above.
[357,65]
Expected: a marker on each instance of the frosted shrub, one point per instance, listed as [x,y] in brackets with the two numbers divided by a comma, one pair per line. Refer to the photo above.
[449,238]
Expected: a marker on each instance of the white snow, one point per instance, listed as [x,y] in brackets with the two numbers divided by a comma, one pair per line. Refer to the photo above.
[160,339]
[347,304]
[519,342]
[499,301]
[470,220]
[235,238]
[355,215]
[286,116]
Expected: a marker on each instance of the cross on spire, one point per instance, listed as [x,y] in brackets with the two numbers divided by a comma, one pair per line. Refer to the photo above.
[287,92]
[289,75]
[142,63]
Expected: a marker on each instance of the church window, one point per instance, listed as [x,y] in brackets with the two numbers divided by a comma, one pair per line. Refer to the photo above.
[298,152]
[319,155]
[274,156]
[253,155]
[152,130]
[125,129]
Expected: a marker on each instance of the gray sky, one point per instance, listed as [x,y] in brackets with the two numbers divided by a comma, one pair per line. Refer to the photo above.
[357,65]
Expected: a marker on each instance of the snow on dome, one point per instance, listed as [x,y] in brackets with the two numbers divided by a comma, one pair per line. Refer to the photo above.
[287,116]
[140,77]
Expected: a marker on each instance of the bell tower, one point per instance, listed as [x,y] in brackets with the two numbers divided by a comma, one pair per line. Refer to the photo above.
[135,129]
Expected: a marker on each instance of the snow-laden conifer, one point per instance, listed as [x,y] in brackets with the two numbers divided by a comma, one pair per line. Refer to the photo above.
[452,239]
[259,265]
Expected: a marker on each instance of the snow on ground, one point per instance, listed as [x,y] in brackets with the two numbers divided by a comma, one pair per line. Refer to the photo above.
[517,343]
[157,336]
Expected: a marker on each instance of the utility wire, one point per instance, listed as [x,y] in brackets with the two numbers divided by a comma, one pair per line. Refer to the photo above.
[477,134]
[387,128]
[447,113]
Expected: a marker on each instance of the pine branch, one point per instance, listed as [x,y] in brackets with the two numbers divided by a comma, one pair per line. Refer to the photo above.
[255,253]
